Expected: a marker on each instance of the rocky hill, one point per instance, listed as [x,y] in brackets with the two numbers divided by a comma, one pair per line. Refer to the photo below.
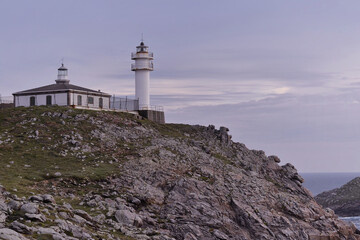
[76,174]
[345,201]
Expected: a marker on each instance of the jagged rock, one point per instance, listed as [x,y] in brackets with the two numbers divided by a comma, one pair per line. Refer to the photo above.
[78,219]
[292,173]
[3,210]
[134,200]
[220,235]
[100,218]
[224,136]
[64,215]
[30,208]
[8,234]
[14,205]
[47,198]
[36,217]
[49,231]
[274,158]
[128,218]
[83,214]
[21,228]
[36,198]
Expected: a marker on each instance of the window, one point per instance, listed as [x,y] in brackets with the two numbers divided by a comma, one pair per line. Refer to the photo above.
[48,100]
[79,100]
[90,100]
[32,101]
[101,103]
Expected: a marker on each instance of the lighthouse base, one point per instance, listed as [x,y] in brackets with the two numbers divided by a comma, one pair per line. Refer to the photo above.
[155,116]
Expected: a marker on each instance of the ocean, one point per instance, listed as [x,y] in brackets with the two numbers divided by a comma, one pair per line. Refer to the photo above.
[320,182]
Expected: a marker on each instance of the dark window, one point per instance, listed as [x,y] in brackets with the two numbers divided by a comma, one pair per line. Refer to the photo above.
[90,100]
[32,101]
[101,103]
[79,98]
[48,100]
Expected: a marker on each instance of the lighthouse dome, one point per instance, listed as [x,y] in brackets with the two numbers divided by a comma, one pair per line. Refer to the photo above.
[62,67]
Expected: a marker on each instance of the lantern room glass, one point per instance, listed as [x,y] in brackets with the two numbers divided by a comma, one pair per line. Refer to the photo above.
[62,73]
[142,49]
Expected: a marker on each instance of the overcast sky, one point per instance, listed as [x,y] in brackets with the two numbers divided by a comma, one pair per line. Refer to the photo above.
[283,75]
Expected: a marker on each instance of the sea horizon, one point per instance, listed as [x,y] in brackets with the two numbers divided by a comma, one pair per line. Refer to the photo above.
[326,181]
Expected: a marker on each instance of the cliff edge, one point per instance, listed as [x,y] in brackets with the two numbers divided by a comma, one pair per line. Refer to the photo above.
[77,174]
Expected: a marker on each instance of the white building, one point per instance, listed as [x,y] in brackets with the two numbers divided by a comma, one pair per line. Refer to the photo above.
[62,93]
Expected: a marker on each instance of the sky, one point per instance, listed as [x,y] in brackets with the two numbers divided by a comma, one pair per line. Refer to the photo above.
[283,76]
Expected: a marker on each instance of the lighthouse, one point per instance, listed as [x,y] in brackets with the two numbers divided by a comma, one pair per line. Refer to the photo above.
[142,67]
[62,75]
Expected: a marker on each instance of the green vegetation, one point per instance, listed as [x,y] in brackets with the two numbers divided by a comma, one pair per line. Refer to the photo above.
[36,143]
[171,130]
[224,159]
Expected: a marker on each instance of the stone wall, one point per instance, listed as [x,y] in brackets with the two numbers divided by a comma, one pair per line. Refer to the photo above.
[155,116]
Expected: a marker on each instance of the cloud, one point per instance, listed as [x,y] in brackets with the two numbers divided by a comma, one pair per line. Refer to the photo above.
[300,129]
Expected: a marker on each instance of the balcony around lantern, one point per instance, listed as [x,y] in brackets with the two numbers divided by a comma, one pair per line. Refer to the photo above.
[147,55]
[146,66]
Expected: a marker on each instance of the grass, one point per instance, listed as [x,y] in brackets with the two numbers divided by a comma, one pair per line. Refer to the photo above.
[26,159]
[171,130]
[225,160]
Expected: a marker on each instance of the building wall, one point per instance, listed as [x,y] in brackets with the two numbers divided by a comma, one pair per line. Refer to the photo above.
[84,98]
[61,99]
[40,99]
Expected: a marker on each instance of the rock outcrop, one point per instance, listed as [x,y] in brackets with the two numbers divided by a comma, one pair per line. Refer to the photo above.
[345,201]
[124,178]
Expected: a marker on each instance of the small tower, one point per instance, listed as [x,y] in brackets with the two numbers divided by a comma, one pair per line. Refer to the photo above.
[142,67]
[62,75]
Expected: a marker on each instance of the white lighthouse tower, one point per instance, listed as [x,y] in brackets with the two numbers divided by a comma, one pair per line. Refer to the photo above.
[142,67]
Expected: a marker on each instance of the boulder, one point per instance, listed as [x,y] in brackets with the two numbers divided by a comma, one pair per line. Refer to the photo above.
[127,217]
[36,198]
[30,208]
[14,205]
[47,198]
[9,234]
[274,158]
[35,217]
[21,228]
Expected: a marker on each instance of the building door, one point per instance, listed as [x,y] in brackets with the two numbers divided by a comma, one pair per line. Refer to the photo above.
[79,100]
[48,100]
[101,103]
[32,101]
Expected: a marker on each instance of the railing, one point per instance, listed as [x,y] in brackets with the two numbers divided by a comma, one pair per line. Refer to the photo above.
[153,108]
[124,104]
[142,55]
[143,66]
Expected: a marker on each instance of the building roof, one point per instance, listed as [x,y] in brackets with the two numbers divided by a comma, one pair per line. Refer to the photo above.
[59,87]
